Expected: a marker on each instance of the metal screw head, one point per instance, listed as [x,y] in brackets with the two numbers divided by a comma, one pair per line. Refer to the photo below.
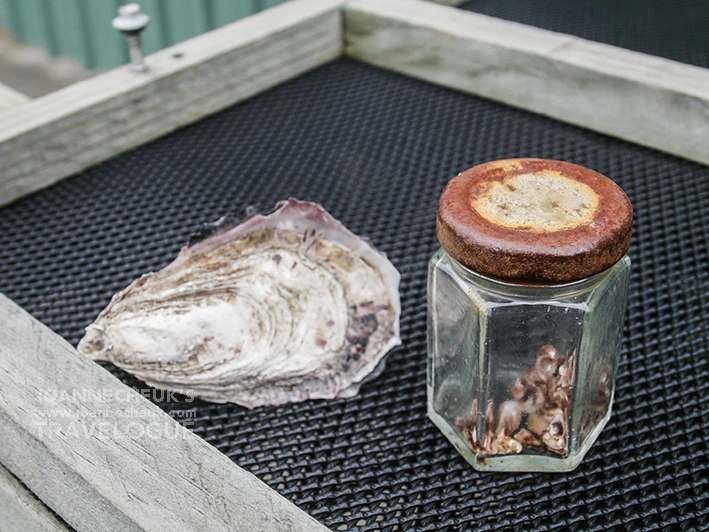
[130,19]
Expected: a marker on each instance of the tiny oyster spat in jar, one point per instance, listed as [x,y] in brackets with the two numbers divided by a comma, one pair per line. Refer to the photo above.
[526,302]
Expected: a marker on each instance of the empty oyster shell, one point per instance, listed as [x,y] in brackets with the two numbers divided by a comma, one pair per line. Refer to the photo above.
[280,308]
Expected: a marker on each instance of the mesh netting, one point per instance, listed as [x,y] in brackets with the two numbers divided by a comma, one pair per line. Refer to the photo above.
[677,30]
[376,149]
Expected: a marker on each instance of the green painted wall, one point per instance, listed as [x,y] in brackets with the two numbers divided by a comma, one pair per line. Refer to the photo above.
[81,29]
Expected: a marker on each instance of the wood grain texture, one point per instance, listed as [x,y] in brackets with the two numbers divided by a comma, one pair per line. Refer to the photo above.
[644,99]
[105,458]
[21,511]
[67,131]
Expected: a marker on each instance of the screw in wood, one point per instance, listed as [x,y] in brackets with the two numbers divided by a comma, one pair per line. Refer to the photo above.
[130,22]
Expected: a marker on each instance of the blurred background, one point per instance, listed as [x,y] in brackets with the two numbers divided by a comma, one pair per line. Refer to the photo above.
[48,44]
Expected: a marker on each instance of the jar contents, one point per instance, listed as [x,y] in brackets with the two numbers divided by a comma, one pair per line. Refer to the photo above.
[536,417]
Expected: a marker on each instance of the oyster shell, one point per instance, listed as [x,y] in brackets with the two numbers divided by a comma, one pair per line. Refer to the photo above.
[280,308]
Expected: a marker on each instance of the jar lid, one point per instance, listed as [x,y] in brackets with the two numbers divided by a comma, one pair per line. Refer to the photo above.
[534,220]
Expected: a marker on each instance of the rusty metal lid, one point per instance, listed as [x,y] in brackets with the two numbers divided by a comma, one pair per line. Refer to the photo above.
[534,220]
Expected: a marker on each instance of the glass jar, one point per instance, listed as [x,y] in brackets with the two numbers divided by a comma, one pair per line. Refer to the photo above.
[526,302]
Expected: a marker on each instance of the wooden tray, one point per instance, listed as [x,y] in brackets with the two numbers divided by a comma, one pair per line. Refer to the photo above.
[111,483]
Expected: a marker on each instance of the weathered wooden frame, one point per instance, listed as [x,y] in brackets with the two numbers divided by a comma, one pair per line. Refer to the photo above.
[647,100]
[119,481]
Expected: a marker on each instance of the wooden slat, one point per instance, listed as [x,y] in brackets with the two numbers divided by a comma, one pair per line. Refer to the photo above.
[64,132]
[10,98]
[644,99]
[21,511]
[105,458]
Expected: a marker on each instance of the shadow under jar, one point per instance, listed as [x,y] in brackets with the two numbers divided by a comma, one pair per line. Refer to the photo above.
[526,303]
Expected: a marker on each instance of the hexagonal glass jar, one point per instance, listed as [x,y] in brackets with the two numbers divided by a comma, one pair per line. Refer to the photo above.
[526,303]
[521,377]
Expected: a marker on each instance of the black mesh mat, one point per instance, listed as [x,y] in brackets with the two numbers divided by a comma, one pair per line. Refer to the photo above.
[376,149]
[675,29]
